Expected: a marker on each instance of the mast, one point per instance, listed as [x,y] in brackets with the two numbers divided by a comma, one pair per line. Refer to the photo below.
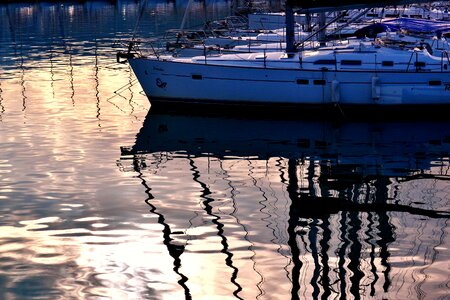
[290,27]
[321,32]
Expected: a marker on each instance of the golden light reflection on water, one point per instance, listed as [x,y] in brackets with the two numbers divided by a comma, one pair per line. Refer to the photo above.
[74,222]
[119,265]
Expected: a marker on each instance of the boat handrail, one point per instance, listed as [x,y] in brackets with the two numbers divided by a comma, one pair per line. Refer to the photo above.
[445,66]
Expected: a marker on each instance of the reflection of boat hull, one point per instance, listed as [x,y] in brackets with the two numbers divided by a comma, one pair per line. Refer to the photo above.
[367,148]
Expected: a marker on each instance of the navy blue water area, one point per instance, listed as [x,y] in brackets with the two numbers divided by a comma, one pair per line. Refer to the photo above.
[101,198]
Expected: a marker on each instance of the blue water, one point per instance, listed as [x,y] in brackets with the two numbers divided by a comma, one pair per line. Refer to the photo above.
[101,198]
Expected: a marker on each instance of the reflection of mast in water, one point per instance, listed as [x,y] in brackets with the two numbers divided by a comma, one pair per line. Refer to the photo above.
[52,73]
[2,107]
[21,66]
[314,235]
[22,79]
[97,83]
[264,206]
[67,49]
[354,252]
[216,220]
[284,181]
[292,190]
[370,237]
[175,251]
[342,252]
[385,229]
[315,212]
[72,87]
[233,193]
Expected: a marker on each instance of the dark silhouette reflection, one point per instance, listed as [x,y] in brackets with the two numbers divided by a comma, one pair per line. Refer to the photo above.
[2,107]
[175,251]
[72,86]
[339,180]
[292,189]
[22,79]
[97,84]
[216,220]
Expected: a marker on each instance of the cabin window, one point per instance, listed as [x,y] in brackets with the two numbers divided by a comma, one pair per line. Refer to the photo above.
[372,15]
[325,62]
[348,62]
[387,63]
[197,76]
[416,16]
[434,82]
[419,64]
[302,81]
[405,16]
[319,82]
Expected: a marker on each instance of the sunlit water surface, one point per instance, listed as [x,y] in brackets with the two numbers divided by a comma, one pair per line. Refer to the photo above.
[101,198]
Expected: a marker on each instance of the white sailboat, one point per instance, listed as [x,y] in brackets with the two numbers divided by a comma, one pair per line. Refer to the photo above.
[360,76]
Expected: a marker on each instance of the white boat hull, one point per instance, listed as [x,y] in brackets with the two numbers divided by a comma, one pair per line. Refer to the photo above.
[206,83]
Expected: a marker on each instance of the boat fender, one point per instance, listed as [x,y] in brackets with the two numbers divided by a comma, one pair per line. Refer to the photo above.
[376,89]
[335,91]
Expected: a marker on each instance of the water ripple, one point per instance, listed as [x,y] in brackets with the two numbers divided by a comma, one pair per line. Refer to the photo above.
[201,208]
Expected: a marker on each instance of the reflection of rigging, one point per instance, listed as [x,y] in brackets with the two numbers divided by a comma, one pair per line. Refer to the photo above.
[72,87]
[21,58]
[262,210]
[126,87]
[233,193]
[342,207]
[52,73]
[130,84]
[174,250]
[22,79]
[2,107]
[97,83]
[67,49]
[219,225]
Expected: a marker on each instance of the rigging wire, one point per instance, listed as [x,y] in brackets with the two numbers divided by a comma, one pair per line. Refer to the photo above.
[138,21]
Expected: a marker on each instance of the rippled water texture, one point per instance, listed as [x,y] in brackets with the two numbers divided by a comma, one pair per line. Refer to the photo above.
[100,197]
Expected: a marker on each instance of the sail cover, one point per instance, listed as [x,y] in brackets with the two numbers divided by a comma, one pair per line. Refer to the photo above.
[418,26]
[328,5]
